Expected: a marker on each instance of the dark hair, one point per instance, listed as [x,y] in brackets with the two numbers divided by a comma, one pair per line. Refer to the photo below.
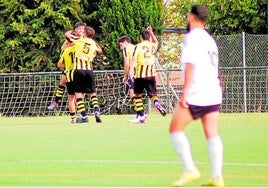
[201,12]
[77,24]
[90,32]
[123,39]
[145,35]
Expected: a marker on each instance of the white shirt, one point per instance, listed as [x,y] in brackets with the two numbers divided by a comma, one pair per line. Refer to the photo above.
[200,49]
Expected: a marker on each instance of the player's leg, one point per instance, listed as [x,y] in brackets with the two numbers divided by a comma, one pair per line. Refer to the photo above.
[71,100]
[139,106]
[72,108]
[215,148]
[95,103]
[152,93]
[180,119]
[59,93]
[81,108]
[130,85]
[79,88]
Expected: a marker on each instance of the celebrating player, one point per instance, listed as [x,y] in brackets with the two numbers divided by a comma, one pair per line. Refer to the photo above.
[79,29]
[83,78]
[127,48]
[143,71]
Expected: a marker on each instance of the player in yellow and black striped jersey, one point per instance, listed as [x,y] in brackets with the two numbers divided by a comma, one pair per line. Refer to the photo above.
[65,63]
[83,78]
[79,29]
[127,48]
[144,71]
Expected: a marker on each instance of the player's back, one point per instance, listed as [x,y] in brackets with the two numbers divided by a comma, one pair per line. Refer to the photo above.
[146,59]
[129,51]
[85,51]
[67,57]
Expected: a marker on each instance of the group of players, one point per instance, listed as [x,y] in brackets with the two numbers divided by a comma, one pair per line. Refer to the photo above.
[78,53]
[201,95]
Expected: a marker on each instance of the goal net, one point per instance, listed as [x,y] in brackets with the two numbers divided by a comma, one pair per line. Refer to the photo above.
[29,94]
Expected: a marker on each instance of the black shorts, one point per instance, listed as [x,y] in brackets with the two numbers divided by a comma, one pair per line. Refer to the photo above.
[149,84]
[70,88]
[84,81]
[199,111]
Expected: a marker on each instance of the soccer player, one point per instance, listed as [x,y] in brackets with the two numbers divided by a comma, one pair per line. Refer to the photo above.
[201,98]
[83,78]
[143,71]
[79,29]
[65,63]
[127,48]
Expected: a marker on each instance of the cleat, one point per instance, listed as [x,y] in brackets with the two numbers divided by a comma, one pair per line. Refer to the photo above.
[53,105]
[135,120]
[138,119]
[97,117]
[142,119]
[214,183]
[81,120]
[73,120]
[160,109]
[186,178]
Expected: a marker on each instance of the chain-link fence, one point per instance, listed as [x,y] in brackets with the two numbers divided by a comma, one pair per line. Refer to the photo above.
[243,66]
[244,75]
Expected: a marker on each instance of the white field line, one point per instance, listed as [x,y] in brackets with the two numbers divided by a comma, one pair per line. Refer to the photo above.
[137,162]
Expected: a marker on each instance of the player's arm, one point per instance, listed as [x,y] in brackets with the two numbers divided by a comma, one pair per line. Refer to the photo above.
[133,63]
[152,35]
[60,63]
[188,78]
[99,49]
[126,65]
[70,35]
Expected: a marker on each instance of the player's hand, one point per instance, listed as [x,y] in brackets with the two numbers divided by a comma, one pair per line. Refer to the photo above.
[69,34]
[183,101]
[149,29]
[132,77]
[124,79]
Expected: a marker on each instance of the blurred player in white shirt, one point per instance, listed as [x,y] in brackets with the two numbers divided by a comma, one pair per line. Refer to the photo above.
[201,99]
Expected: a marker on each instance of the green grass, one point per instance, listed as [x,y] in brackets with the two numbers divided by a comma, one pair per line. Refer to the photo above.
[49,151]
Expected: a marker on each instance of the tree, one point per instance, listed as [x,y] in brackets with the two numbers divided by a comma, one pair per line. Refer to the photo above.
[226,16]
[237,16]
[32,32]
[124,17]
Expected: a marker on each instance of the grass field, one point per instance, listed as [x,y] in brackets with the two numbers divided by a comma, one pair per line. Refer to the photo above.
[49,151]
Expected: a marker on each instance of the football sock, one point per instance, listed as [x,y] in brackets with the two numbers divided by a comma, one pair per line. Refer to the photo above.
[182,148]
[95,102]
[215,151]
[139,104]
[72,114]
[59,93]
[81,107]
[155,99]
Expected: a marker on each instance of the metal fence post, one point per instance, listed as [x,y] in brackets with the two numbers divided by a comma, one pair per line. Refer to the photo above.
[244,73]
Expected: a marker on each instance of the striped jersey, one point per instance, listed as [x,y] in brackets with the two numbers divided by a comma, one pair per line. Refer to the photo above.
[146,59]
[67,57]
[85,52]
[128,52]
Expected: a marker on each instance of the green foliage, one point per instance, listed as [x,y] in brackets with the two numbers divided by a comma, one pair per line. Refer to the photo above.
[124,17]
[32,33]
[237,16]
[226,16]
